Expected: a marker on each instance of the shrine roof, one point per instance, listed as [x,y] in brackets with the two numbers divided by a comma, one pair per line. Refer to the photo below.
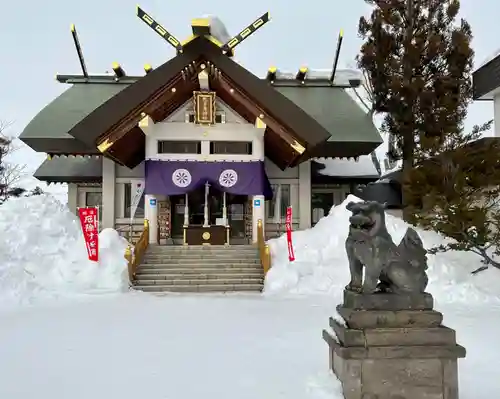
[325,120]
[48,130]
[70,170]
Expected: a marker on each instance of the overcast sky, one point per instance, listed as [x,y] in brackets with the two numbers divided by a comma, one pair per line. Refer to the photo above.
[36,43]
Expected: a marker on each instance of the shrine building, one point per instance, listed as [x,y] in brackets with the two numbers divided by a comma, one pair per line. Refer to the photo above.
[217,148]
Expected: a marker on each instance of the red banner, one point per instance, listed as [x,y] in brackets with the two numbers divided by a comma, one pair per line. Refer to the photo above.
[288,226]
[89,219]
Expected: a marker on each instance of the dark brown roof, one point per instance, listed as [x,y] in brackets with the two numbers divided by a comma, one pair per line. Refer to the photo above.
[486,79]
[122,112]
[100,106]
[297,121]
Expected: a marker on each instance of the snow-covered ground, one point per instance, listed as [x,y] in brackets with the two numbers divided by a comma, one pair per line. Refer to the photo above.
[128,345]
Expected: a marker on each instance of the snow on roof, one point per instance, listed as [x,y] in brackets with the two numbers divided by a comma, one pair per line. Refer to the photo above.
[348,167]
[342,76]
[397,166]
[488,59]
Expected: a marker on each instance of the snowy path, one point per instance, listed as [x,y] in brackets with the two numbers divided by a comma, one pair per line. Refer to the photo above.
[190,347]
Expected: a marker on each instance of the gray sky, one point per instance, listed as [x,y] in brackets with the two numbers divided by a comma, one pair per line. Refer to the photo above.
[36,43]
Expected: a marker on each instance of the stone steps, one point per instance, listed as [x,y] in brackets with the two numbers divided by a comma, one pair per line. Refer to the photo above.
[200,269]
[173,249]
[196,280]
[204,273]
[200,266]
[200,288]
[242,256]
[204,261]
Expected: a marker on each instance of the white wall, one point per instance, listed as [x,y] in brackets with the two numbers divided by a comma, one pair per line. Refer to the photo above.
[300,204]
[273,172]
[108,193]
[496,115]
[137,172]
[235,128]
[188,131]
[305,195]
[230,115]
[73,197]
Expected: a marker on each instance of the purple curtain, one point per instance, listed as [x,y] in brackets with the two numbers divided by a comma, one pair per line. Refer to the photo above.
[180,177]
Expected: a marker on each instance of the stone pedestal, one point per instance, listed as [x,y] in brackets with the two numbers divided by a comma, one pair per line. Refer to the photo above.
[393,347]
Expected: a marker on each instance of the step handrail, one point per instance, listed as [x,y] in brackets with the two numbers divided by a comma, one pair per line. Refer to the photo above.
[135,254]
[264,252]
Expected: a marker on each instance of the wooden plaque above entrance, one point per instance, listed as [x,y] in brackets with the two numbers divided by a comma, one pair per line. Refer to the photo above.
[204,107]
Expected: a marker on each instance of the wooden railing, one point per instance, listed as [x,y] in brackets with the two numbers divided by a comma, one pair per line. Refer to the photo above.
[134,256]
[264,252]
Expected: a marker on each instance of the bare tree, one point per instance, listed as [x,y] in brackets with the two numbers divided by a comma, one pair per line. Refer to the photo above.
[10,173]
[364,94]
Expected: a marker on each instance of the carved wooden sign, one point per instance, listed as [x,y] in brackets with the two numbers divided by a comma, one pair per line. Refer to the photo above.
[204,107]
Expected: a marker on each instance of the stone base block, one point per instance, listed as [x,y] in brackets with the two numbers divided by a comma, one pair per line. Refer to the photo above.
[452,351]
[396,372]
[356,318]
[382,301]
[401,336]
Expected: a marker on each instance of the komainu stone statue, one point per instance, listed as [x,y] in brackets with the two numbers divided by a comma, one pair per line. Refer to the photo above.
[388,268]
[387,341]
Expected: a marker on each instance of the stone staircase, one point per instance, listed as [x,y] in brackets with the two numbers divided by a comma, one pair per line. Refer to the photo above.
[200,269]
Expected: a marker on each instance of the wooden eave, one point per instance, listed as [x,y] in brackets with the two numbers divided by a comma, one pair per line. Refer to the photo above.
[130,150]
[294,120]
[278,143]
[118,117]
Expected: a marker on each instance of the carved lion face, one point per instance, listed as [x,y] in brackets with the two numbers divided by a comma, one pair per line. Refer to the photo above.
[366,220]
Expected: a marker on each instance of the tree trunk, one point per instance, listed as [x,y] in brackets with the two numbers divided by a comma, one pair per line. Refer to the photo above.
[405,187]
[408,133]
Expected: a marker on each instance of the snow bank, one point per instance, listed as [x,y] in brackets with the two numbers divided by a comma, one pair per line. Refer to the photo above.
[321,263]
[43,255]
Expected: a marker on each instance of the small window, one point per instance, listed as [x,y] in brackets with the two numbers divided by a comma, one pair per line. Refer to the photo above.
[220,117]
[179,147]
[231,147]
[94,198]
[281,193]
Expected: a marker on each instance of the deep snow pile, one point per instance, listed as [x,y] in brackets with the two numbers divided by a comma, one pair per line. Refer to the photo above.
[321,262]
[43,254]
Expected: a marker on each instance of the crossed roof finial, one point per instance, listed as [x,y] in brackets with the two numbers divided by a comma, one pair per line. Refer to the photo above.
[200,27]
